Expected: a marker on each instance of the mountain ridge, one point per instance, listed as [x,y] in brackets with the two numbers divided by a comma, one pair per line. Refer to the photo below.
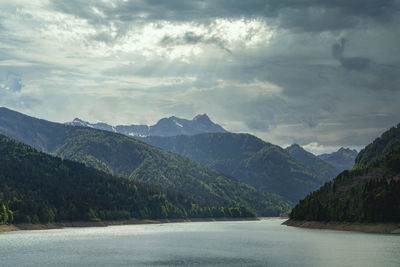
[170,126]
[342,159]
[233,154]
[380,147]
[314,162]
[124,156]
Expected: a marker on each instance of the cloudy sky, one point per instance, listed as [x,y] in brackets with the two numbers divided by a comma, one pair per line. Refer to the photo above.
[321,73]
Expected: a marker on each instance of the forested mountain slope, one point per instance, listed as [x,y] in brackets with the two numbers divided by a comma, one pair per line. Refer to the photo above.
[370,192]
[381,146]
[311,161]
[273,169]
[39,188]
[266,166]
[126,157]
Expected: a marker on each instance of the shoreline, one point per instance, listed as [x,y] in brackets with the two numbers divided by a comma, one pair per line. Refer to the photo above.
[387,228]
[62,225]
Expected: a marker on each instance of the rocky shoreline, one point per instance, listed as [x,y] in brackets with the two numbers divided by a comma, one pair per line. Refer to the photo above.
[390,228]
[60,225]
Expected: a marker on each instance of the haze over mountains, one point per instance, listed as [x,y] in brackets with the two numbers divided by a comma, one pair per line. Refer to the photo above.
[263,165]
[291,173]
[126,157]
[213,165]
[341,160]
[242,156]
[164,127]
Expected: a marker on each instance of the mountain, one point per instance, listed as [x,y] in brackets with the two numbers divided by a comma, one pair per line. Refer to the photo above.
[39,134]
[308,159]
[221,151]
[343,159]
[99,125]
[39,188]
[165,127]
[126,157]
[370,192]
[272,169]
[248,158]
[380,147]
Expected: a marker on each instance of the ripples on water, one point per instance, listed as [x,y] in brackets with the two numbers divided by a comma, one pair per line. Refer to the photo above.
[248,243]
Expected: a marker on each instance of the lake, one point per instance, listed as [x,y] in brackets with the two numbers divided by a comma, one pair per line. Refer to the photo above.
[243,243]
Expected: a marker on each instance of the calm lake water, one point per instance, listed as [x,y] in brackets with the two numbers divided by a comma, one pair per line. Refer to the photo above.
[248,243]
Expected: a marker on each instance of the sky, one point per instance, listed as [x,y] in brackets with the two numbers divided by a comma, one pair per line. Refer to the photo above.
[320,73]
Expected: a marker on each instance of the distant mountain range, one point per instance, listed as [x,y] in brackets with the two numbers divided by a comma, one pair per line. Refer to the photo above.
[369,192]
[291,173]
[126,157]
[343,159]
[240,168]
[165,127]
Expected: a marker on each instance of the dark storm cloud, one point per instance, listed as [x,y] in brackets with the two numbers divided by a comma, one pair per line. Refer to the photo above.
[351,63]
[306,15]
[318,94]
[305,71]
[337,89]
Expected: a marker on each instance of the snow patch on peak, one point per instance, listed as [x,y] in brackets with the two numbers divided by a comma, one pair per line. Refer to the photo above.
[178,124]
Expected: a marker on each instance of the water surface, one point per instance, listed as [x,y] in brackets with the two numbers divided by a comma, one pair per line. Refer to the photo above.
[246,243]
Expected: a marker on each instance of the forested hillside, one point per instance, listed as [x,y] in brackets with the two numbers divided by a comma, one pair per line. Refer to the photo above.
[126,157]
[273,169]
[319,166]
[38,188]
[221,151]
[263,165]
[388,142]
[370,192]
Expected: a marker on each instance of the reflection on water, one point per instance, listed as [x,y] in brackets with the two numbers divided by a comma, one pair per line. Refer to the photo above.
[202,261]
[252,243]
